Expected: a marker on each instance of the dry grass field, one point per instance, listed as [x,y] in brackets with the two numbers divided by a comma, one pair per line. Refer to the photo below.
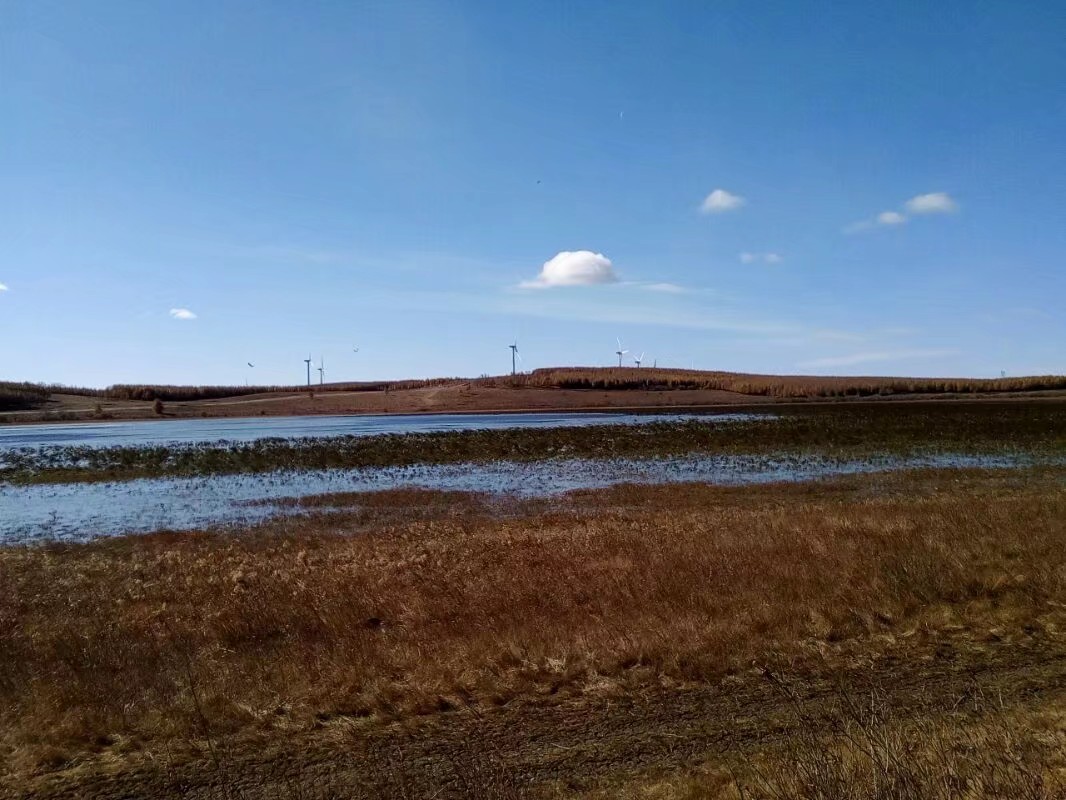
[894,636]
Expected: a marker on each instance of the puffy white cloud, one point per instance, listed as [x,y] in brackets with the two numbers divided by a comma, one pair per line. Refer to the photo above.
[720,200]
[890,218]
[182,313]
[574,268]
[765,258]
[932,203]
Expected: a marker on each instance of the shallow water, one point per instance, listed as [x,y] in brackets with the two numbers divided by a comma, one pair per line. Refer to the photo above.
[207,431]
[86,510]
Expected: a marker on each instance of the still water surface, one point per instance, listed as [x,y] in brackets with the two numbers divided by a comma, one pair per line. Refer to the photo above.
[147,433]
[87,510]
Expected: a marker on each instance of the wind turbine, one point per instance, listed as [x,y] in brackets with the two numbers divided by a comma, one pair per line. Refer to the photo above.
[250,364]
[638,359]
[514,355]
[321,370]
[307,361]
[621,351]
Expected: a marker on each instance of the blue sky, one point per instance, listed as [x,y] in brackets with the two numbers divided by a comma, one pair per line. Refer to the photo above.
[848,188]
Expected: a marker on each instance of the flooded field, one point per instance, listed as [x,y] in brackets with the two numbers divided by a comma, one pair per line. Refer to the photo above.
[213,431]
[86,510]
[82,481]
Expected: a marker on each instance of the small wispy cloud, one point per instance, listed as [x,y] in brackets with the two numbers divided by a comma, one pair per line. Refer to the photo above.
[874,357]
[668,288]
[573,268]
[886,219]
[765,258]
[182,313]
[932,203]
[3,287]
[858,227]
[720,201]
[833,335]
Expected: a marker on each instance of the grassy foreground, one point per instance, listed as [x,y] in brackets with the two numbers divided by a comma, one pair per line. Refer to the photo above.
[826,640]
[843,431]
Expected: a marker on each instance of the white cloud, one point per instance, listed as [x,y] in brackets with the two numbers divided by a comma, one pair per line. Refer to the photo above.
[720,200]
[932,203]
[887,219]
[873,357]
[182,313]
[3,287]
[766,258]
[576,268]
[668,288]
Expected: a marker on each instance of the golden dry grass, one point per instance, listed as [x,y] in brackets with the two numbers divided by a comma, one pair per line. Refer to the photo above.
[199,636]
[865,753]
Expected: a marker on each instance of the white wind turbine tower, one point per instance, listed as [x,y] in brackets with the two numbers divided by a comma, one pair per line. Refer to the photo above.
[638,359]
[621,351]
[514,355]
[321,370]
[307,361]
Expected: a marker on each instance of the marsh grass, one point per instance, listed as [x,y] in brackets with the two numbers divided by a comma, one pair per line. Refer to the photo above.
[867,750]
[183,637]
[836,431]
[867,755]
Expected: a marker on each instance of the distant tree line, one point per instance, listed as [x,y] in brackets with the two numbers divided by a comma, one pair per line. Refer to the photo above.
[788,386]
[28,396]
